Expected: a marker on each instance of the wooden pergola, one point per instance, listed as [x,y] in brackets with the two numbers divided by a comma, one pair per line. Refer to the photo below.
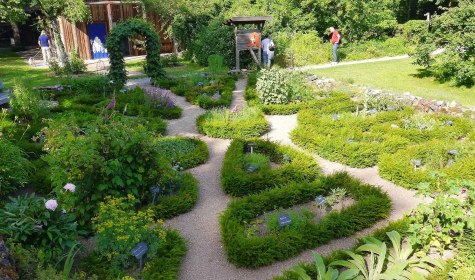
[248,39]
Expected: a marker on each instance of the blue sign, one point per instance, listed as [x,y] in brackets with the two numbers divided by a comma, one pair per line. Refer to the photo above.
[155,189]
[450,123]
[284,220]
[453,152]
[320,200]
[251,168]
[139,250]
[97,37]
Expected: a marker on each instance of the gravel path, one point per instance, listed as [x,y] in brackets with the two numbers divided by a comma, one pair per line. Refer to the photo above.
[329,65]
[206,257]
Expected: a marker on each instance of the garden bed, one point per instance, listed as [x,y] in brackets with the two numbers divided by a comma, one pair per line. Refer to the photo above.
[229,124]
[184,153]
[427,166]
[371,206]
[289,165]
[357,139]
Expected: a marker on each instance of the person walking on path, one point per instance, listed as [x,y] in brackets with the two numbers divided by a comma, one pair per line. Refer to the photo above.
[336,40]
[44,43]
[267,50]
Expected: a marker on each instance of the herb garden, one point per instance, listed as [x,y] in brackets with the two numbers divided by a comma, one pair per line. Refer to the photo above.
[177,166]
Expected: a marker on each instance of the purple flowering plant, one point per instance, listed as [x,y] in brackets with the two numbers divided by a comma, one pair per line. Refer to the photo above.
[159,97]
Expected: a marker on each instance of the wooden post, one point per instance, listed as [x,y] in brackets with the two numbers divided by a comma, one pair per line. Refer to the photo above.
[109,15]
[75,36]
[238,64]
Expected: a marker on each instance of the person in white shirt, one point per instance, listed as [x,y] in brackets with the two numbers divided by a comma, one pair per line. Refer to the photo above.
[267,50]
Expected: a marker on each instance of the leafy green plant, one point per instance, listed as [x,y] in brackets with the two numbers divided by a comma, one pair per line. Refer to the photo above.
[188,152]
[119,229]
[273,86]
[216,65]
[223,123]
[324,273]
[75,65]
[25,102]
[258,161]
[33,221]
[336,196]
[15,169]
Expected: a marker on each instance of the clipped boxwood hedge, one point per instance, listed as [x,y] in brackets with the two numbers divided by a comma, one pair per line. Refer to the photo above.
[237,181]
[357,140]
[187,152]
[434,156]
[372,205]
[166,265]
[183,201]
[221,123]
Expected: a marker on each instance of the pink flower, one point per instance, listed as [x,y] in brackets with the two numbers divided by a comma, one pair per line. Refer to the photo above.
[51,204]
[70,187]
[438,229]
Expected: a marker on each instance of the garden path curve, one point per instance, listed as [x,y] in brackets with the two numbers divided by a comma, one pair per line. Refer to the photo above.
[206,257]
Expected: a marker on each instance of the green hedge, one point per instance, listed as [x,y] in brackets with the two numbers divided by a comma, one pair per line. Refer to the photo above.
[434,156]
[372,205]
[167,264]
[188,152]
[237,181]
[358,140]
[221,123]
[171,206]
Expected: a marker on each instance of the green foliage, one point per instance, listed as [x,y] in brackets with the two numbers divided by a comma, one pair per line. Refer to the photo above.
[26,220]
[223,123]
[237,181]
[438,165]
[25,102]
[15,169]
[272,86]
[256,160]
[400,260]
[413,30]
[119,229]
[216,65]
[75,65]
[215,39]
[452,31]
[169,206]
[372,205]
[442,223]
[358,139]
[115,46]
[106,158]
[94,85]
[187,152]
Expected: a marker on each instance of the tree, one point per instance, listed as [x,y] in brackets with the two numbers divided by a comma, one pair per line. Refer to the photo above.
[13,12]
[72,10]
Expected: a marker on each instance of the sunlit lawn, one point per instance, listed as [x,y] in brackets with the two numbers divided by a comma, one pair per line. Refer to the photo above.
[13,66]
[399,76]
[185,67]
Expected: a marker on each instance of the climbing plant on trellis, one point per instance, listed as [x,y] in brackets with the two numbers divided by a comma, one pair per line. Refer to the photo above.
[115,48]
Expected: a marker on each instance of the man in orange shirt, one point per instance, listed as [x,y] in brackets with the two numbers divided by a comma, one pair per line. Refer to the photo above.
[336,40]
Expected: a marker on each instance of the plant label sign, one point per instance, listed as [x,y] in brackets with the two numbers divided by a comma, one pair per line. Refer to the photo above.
[139,250]
[320,200]
[284,220]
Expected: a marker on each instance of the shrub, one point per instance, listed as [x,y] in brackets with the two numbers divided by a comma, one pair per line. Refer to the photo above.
[357,140]
[215,39]
[15,169]
[186,152]
[216,65]
[93,85]
[107,158]
[273,86]
[25,103]
[75,65]
[120,228]
[237,181]
[372,205]
[223,123]
[182,201]
[437,164]
[35,222]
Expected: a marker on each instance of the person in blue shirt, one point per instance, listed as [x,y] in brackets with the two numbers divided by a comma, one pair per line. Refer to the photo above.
[44,43]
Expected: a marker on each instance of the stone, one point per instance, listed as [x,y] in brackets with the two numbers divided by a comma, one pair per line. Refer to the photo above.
[7,270]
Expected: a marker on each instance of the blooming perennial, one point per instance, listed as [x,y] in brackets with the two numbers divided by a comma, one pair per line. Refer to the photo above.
[51,204]
[70,187]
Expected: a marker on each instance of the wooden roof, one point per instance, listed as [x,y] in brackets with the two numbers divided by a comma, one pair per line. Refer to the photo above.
[247,20]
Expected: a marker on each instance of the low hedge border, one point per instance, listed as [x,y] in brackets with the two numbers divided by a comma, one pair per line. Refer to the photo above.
[168,207]
[166,265]
[238,182]
[189,159]
[434,156]
[232,129]
[372,205]
[359,140]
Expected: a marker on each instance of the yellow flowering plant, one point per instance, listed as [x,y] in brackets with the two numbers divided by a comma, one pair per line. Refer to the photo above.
[120,228]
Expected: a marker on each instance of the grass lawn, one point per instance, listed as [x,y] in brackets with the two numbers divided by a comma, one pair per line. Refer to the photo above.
[185,67]
[399,76]
[13,66]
